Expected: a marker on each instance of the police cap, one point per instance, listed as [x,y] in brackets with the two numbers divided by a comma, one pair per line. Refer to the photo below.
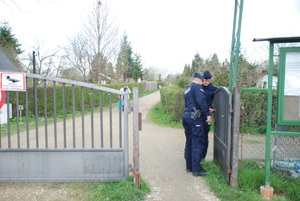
[207,74]
[197,75]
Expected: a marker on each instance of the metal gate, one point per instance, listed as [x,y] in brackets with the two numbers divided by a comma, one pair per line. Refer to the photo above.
[222,130]
[50,136]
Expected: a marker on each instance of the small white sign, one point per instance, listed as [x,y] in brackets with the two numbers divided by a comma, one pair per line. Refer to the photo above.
[13,81]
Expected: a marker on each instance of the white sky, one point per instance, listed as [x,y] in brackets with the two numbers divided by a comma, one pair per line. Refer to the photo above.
[166,33]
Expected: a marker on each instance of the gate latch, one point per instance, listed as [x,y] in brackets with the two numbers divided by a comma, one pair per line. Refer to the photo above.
[140,121]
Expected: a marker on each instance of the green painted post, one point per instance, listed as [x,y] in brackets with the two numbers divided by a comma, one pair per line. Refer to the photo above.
[232,49]
[238,43]
[235,45]
[269,116]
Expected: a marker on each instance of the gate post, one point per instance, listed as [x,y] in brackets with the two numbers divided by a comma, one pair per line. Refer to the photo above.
[136,149]
[235,136]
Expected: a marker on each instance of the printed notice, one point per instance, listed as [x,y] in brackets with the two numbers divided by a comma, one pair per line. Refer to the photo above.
[292,74]
[13,82]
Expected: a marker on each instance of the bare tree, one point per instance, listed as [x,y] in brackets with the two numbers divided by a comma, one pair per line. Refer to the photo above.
[101,37]
[78,57]
[47,61]
[91,51]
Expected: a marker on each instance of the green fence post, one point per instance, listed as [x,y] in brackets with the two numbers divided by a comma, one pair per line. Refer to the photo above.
[267,191]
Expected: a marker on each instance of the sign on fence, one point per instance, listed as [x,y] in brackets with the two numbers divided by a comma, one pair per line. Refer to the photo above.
[12,82]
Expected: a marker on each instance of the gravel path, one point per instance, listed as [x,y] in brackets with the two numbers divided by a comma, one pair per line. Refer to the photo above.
[161,165]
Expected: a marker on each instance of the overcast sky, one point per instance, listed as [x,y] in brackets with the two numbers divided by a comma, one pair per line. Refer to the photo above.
[166,33]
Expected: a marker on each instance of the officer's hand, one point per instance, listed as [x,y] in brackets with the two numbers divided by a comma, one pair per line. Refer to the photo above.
[208,119]
[211,110]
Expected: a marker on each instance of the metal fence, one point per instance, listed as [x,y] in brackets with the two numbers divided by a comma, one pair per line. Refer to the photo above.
[286,154]
[62,130]
[285,150]
[252,128]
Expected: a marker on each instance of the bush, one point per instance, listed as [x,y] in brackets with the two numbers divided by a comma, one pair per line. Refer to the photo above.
[254,111]
[172,101]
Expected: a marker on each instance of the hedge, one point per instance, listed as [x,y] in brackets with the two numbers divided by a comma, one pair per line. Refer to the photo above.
[172,101]
[68,98]
[253,114]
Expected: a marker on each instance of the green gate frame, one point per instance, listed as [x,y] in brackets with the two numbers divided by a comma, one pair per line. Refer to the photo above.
[273,41]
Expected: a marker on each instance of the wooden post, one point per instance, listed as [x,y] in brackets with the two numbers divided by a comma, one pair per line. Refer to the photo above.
[136,148]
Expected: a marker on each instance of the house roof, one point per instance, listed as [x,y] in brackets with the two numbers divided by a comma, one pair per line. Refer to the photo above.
[107,77]
[294,39]
[5,64]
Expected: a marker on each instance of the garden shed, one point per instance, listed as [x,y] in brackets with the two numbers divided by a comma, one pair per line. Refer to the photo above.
[262,82]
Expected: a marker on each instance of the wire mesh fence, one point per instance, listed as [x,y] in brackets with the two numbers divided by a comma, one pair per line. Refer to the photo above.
[285,150]
[286,155]
[253,123]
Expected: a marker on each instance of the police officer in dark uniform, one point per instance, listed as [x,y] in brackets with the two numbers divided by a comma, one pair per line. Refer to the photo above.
[209,90]
[195,103]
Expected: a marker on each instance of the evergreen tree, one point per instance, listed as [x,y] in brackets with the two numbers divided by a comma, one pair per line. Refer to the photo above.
[10,44]
[8,40]
[213,65]
[124,61]
[136,69]
[187,71]
[197,64]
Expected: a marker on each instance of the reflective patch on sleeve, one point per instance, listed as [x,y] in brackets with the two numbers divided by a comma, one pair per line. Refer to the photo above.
[198,125]
[187,90]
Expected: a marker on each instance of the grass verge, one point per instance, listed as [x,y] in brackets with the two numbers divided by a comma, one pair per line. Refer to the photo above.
[112,191]
[116,191]
[158,116]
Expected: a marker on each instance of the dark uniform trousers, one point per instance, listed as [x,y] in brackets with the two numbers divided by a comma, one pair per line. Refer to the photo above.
[206,128]
[195,142]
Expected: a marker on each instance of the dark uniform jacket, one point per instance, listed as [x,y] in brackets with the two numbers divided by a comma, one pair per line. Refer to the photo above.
[209,94]
[194,97]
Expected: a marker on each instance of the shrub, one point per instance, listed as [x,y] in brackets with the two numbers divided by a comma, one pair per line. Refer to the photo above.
[172,101]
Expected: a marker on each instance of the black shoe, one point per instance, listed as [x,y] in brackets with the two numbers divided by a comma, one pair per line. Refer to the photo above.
[200,173]
[188,170]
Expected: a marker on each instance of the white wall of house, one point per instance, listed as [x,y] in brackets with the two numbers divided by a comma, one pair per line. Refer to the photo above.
[263,82]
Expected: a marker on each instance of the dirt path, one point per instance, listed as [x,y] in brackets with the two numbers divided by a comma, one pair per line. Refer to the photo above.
[161,165]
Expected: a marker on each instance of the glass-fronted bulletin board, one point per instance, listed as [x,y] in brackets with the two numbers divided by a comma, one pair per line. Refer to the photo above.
[288,106]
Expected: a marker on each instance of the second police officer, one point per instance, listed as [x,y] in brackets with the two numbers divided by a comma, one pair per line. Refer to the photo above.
[195,102]
[209,90]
